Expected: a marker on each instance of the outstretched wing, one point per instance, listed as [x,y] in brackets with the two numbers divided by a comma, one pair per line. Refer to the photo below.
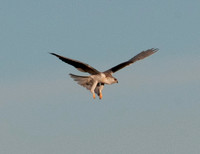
[139,56]
[77,64]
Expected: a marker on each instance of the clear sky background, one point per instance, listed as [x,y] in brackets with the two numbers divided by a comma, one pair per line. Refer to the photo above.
[155,107]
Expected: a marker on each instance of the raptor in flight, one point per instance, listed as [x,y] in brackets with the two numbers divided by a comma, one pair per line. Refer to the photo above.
[95,82]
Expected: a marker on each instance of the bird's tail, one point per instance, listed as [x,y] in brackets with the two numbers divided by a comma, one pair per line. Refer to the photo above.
[85,81]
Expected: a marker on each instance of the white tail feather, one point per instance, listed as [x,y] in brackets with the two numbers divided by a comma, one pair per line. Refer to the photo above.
[87,82]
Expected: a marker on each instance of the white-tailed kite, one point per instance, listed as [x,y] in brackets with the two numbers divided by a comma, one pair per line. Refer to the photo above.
[95,82]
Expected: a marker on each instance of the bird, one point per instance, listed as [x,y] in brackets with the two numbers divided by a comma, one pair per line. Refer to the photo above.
[96,80]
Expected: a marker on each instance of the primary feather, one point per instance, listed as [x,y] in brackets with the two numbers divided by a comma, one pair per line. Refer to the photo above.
[78,65]
[139,56]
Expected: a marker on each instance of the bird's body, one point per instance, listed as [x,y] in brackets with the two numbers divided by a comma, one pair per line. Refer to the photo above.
[96,81]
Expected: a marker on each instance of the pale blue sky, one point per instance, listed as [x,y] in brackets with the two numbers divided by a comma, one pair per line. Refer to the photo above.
[153,110]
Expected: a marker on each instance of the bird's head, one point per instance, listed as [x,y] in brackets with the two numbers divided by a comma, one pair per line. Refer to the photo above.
[116,81]
[112,80]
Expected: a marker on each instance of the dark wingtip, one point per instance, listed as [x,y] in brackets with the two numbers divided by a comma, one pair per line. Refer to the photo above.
[53,54]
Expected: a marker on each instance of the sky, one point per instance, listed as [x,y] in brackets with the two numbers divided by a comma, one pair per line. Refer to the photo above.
[154,109]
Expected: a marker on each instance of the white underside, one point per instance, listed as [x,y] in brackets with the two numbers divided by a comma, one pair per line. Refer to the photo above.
[89,82]
[94,83]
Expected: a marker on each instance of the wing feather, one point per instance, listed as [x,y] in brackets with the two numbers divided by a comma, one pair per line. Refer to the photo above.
[77,64]
[139,56]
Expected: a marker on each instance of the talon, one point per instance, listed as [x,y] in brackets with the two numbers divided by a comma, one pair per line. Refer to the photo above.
[100,96]
[94,95]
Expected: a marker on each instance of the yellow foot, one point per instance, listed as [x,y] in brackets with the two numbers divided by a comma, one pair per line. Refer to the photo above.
[94,95]
[100,96]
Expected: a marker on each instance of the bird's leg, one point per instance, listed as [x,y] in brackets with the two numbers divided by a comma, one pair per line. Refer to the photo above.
[100,95]
[100,91]
[93,87]
[94,95]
